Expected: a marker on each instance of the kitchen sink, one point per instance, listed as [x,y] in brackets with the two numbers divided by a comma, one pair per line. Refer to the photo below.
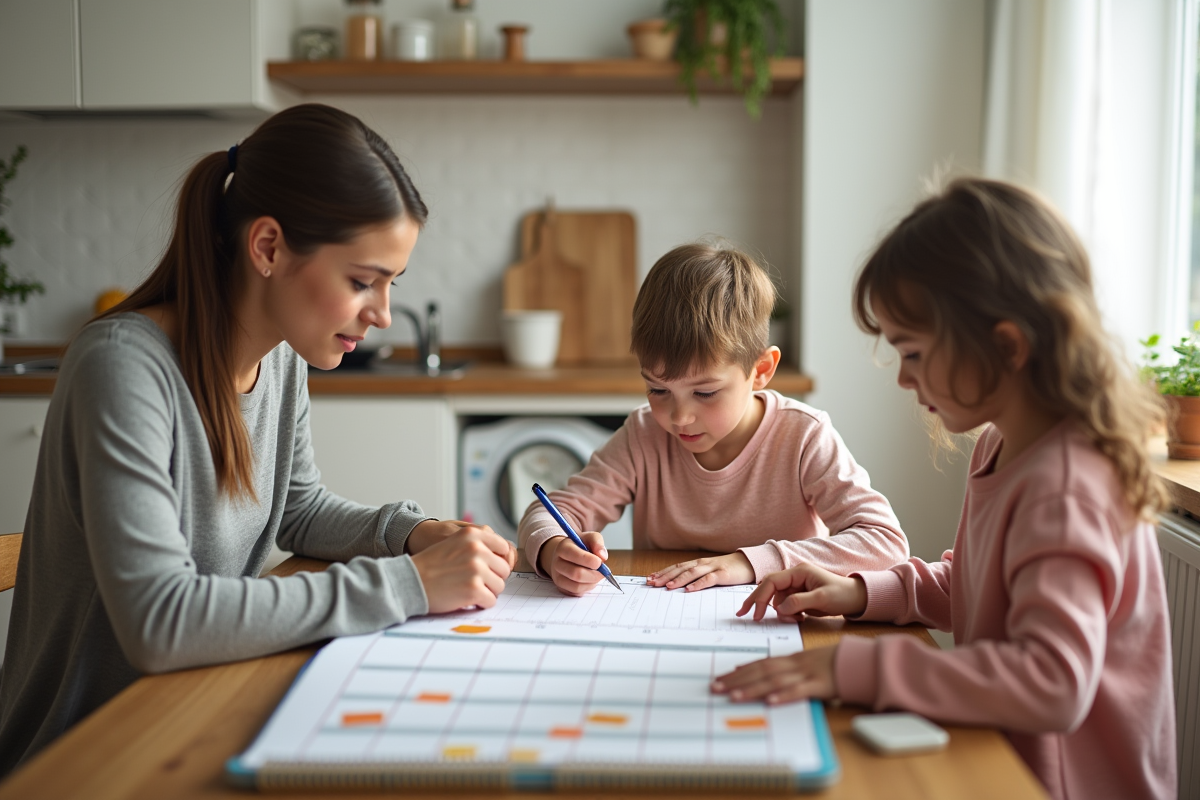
[408,369]
[37,366]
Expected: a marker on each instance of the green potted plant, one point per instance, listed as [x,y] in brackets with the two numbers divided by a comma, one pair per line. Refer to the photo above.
[1179,383]
[730,40]
[12,289]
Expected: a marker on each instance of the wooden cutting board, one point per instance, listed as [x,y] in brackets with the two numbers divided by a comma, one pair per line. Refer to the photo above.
[604,245]
[544,279]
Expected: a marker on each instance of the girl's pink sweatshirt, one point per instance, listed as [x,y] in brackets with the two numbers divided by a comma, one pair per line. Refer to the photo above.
[794,474]
[1055,595]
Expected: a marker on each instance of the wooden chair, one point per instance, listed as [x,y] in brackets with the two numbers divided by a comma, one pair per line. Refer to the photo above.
[10,548]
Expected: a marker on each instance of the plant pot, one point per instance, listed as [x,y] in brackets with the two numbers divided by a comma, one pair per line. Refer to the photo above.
[651,40]
[1183,427]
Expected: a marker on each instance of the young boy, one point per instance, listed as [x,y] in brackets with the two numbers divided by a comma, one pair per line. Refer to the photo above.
[716,461]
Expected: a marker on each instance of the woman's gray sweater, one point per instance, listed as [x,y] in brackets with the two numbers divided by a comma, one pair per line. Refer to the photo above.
[133,562]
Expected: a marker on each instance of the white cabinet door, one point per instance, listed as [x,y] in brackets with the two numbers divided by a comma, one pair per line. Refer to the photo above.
[39,54]
[379,450]
[21,420]
[166,53]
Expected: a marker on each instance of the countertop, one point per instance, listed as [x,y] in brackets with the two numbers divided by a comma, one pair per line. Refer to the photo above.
[1182,477]
[486,375]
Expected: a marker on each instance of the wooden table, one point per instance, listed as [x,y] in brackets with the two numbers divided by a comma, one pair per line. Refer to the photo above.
[168,736]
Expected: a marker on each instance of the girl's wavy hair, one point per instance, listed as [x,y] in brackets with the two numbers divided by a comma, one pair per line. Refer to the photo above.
[980,252]
[325,177]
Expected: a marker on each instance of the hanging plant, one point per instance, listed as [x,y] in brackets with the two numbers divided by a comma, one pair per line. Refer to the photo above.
[729,40]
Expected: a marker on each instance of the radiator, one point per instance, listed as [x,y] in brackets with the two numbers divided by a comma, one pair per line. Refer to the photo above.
[1179,539]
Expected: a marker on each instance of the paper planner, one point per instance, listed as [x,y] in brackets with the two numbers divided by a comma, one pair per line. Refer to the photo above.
[545,691]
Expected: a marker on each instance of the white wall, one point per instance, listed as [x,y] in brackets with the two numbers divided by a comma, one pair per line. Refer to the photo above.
[892,91]
[91,207]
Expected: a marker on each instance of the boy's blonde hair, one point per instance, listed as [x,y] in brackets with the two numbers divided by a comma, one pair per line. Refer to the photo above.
[702,305]
[981,252]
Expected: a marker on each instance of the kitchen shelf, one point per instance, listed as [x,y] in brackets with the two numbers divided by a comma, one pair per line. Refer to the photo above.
[612,76]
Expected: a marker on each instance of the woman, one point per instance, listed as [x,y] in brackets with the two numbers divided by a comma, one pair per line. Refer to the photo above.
[177,446]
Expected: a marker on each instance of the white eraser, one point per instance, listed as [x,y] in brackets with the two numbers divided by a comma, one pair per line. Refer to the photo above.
[899,734]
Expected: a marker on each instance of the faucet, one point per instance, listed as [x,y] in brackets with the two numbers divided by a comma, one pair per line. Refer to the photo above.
[429,338]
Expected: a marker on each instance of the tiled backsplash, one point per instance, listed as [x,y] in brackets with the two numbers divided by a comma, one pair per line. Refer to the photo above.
[91,207]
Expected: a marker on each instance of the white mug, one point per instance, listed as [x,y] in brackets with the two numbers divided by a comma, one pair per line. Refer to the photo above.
[531,337]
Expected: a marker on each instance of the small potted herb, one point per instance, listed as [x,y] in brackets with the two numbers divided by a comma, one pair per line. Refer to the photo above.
[1179,383]
[732,31]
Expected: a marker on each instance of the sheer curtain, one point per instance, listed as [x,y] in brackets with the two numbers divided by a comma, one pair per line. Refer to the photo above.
[1092,103]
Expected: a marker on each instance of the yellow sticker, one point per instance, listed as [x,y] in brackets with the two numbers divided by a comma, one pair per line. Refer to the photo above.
[460,752]
[523,756]
[608,719]
[433,697]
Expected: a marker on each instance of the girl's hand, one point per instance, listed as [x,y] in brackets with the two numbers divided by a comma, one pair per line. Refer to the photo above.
[728,570]
[782,680]
[467,568]
[572,570]
[806,589]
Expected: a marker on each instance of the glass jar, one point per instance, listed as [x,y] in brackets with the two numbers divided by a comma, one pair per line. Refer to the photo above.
[412,40]
[460,32]
[314,44]
[364,30]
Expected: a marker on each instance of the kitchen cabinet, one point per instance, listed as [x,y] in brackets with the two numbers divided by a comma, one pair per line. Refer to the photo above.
[141,55]
[21,420]
[381,449]
[39,54]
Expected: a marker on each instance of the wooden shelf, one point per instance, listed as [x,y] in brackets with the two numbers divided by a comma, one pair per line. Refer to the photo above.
[615,76]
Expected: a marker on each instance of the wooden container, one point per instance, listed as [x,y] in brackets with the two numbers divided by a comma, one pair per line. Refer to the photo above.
[651,39]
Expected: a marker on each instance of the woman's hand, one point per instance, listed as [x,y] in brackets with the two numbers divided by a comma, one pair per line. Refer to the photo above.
[431,531]
[573,570]
[466,568]
[728,570]
[784,679]
[806,589]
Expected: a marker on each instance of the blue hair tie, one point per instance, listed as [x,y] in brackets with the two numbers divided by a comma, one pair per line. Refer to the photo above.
[232,156]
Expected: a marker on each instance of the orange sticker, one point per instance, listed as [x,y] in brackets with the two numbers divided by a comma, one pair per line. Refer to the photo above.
[472,629]
[433,697]
[745,723]
[608,719]
[566,733]
[363,718]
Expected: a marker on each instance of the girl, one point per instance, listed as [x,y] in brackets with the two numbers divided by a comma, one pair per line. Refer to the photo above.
[1054,587]
[177,446]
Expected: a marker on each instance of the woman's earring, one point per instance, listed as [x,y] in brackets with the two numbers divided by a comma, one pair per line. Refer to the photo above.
[266,273]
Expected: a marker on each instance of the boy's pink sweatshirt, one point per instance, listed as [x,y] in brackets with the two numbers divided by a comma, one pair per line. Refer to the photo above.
[794,473]
[1055,595]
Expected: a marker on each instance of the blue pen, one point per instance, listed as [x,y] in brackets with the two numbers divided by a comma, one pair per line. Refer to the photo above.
[571,534]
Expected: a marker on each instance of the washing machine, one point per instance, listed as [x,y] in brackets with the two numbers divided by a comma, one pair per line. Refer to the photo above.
[501,460]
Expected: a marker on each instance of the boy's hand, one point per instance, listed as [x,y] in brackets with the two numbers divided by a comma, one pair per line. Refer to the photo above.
[784,679]
[431,531]
[727,570]
[806,589]
[572,570]
[466,569]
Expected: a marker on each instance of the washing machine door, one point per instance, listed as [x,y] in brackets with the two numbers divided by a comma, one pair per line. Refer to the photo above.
[502,460]
[550,464]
